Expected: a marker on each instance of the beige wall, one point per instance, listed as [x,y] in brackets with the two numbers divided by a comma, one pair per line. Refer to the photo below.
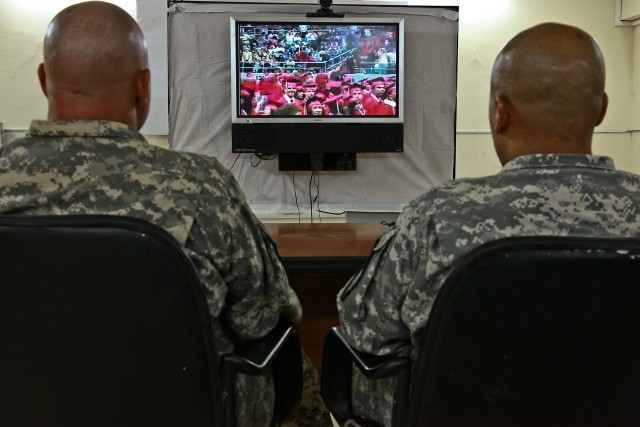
[634,120]
[630,9]
[22,27]
[483,31]
[480,42]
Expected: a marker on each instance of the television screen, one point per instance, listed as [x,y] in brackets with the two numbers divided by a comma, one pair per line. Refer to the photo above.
[317,68]
[344,72]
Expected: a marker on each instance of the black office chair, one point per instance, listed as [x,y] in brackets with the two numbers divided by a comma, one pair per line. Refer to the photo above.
[531,331]
[103,322]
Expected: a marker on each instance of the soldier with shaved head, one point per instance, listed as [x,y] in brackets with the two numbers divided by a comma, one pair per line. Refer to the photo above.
[89,158]
[546,97]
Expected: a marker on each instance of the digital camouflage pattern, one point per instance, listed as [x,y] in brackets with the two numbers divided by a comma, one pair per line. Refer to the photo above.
[384,307]
[102,167]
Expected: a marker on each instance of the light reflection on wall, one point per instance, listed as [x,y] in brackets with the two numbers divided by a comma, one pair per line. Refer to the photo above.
[51,7]
[479,11]
[470,10]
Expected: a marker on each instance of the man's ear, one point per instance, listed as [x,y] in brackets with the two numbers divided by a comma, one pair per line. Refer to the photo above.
[142,96]
[42,77]
[603,109]
[501,115]
[143,87]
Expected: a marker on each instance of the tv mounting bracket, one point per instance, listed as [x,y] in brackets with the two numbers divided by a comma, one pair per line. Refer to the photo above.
[325,11]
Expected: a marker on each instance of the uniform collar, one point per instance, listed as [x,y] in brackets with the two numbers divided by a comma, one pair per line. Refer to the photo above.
[83,128]
[559,161]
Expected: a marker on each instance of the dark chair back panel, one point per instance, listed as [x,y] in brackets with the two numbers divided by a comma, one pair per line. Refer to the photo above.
[102,323]
[531,332]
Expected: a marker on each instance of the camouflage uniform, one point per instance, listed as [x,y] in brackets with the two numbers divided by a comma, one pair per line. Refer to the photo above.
[101,167]
[384,306]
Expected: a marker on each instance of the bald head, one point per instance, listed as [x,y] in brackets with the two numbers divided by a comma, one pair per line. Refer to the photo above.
[96,65]
[547,92]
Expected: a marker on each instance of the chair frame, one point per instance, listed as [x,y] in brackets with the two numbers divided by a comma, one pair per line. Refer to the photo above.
[425,401]
[24,238]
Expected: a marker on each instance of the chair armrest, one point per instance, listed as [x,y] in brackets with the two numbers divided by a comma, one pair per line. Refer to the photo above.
[253,357]
[372,366]
[279,350]
[338,359]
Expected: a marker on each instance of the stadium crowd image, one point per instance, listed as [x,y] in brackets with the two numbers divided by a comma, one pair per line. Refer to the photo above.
[317,69]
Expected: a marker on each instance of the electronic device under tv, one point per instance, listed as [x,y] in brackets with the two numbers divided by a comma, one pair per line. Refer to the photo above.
[316,91]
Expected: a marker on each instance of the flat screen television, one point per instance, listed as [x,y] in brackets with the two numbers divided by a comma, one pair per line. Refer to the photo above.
[316,86]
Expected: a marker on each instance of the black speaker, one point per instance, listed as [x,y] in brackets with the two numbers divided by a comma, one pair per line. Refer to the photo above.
[253,139]
[245,140]
[383,138]
[392,139]
[278,138]
[317,162]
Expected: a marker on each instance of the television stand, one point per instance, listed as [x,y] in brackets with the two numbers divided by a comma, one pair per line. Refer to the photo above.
[317,162]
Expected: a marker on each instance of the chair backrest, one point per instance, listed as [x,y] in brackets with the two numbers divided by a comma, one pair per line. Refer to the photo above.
[534,331]
[103,322]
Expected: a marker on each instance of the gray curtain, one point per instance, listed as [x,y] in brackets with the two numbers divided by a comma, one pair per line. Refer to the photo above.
[200,112]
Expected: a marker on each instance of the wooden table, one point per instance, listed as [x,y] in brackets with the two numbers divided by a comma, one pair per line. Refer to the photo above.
[319,259]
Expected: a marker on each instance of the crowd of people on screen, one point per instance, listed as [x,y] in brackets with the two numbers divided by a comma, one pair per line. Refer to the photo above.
[317,71]
[318,95]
